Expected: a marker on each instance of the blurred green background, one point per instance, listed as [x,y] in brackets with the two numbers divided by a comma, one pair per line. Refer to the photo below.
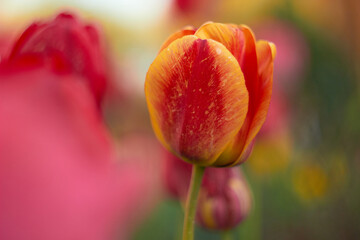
[304,171]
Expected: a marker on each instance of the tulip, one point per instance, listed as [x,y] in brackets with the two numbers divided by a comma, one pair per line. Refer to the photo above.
[76,46]
[208,93]
[60,175]
[224,198]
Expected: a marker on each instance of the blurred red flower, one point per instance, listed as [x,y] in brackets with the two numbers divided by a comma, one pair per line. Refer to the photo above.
[59,174]
[79,47]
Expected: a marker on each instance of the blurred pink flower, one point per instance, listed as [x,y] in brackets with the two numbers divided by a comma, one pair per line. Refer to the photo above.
[292,52]
[79,47]
[58,174]
[60,177]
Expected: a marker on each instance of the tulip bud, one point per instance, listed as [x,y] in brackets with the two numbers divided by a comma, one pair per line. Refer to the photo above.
[72,45]
[224,199]
[208,93]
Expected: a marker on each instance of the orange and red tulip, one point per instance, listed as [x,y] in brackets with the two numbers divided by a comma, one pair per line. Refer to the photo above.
[208,93]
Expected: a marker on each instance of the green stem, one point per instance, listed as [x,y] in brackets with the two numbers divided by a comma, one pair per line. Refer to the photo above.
[191,202]
[226,235]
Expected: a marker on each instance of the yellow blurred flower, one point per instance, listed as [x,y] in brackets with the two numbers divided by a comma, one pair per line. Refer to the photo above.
[314,181]
[310,181]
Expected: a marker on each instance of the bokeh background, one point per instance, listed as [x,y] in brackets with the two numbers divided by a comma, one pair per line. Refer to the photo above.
[304,172]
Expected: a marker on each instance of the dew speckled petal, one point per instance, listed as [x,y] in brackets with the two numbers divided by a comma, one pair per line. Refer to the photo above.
[197,98]
[229,35]
[265,56]
[240,41]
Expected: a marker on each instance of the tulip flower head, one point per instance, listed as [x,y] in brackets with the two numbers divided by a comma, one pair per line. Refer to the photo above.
[74,46]
[208,93]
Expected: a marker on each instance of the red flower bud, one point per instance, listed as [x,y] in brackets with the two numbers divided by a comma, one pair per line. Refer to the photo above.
[224,199]
[72,45]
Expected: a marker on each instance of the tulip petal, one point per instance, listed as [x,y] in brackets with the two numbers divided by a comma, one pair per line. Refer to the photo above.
[179,34]
[25,36]
[240,41]
[253,124]
[229,35]
[196,97]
